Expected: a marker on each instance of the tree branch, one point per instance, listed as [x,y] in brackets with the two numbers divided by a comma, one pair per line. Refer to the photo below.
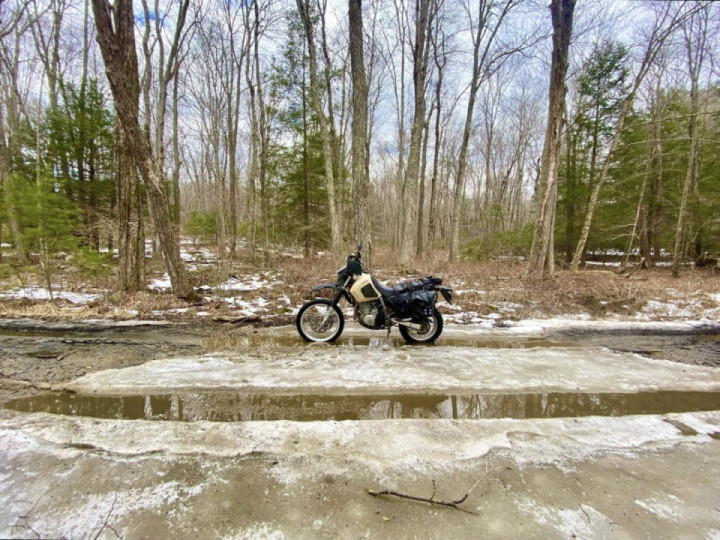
[431,500]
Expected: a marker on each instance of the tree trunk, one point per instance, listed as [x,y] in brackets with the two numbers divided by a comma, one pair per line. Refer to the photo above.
[335,140]
[177,162]
[4,171]
[116,38]
[541,255]
[360,144]
[410,200]
[131,240]
[419,246]
[695,34]
[440,62]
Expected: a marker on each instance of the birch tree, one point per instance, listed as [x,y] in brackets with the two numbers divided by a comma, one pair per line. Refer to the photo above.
[695,35]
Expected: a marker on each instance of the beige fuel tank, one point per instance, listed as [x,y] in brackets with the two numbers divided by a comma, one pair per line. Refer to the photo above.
[363,289]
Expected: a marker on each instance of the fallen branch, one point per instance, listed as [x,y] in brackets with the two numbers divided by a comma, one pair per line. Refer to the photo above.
[25,524]
[584,512]
[431,500]
[641,264]
[106,524]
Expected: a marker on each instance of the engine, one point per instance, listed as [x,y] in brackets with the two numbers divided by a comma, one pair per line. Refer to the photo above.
[369,314]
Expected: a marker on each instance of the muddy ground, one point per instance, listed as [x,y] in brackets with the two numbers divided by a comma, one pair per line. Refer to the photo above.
[36,355]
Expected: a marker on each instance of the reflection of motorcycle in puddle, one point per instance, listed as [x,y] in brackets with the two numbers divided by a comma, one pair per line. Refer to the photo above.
[410,305]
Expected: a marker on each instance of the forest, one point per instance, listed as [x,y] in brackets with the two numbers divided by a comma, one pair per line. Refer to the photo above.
[474,129]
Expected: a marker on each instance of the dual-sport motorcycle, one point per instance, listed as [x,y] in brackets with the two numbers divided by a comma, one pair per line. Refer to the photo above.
[410,305]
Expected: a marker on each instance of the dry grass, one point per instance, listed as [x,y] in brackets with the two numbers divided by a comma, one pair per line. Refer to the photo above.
[482,288]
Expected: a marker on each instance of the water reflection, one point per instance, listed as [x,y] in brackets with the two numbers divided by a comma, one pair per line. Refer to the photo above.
[243,341]
[242,407]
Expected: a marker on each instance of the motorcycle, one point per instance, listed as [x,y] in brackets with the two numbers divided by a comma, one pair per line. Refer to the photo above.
[409,305]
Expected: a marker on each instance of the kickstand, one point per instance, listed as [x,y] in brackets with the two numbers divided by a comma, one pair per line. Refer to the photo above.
[387,337]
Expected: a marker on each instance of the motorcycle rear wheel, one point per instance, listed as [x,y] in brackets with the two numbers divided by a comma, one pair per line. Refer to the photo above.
[319,321]
[431,329]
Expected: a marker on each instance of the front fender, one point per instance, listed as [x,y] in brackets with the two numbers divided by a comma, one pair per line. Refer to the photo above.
[338,292]
[325,286]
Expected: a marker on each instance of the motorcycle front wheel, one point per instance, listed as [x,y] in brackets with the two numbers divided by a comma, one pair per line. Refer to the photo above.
[319,321]
[430,329]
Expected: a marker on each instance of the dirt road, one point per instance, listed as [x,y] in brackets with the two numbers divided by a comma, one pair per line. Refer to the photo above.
[595,474]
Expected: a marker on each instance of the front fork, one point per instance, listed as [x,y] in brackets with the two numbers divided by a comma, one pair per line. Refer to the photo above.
[339,293]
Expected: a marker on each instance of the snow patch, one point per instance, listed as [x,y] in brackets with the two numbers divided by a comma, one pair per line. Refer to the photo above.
[263,530]
[583,522]
[41,293]
[162,284]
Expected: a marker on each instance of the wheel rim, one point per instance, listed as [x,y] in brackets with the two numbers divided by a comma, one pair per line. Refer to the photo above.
[320,322]
[426,331]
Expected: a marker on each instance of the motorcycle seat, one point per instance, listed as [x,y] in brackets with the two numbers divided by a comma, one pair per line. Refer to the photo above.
[388,292]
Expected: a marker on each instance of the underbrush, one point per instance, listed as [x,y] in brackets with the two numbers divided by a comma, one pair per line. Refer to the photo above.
[271,287]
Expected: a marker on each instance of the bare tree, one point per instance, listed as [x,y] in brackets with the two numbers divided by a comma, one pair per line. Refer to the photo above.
[259,120]
[423,18]
[219,63]
[440,59]
[487,58]
[541,262]
[167,67]
[116,38]
[360,143]
[397,73]
[47,44]
[232,88]
[209,89]
[335,131]
[162,64]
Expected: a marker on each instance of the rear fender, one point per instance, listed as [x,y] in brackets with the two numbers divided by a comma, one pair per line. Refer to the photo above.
[447,293]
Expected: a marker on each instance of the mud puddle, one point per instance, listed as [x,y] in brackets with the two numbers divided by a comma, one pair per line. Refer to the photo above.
[244,340]
[236,407]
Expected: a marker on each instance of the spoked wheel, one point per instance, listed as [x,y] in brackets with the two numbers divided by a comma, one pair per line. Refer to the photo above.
[430,329]
[319,320]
